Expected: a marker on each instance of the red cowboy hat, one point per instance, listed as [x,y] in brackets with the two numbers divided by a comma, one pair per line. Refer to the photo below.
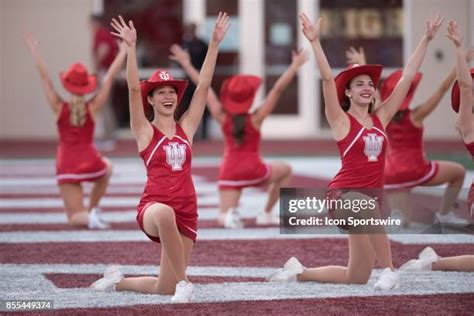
[391,81]
[353,70]
[77,80]
[238,92]
[455,94]
[158,79]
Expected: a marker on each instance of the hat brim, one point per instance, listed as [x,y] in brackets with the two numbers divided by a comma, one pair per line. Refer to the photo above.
[456,94]
[345,76]
[75,89]
[147,86]
[391,82]
[239,107]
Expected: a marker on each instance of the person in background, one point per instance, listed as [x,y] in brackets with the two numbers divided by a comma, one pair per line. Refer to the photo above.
[77,159]
[242,165]
[104,50]
[197,50]
[462,103]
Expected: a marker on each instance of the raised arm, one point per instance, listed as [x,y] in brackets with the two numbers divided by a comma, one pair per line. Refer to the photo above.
[182,57]
[334,113]
[465,116]
[425,108]
[354,56]
[391,105]
[141,128]
[99,100]
[52,96]
[297,60]
[190,120]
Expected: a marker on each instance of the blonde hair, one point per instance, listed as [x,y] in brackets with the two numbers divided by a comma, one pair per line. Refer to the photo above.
[77,110]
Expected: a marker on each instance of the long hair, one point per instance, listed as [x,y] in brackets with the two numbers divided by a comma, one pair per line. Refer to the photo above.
[238,128]
[398,117]
[77,110]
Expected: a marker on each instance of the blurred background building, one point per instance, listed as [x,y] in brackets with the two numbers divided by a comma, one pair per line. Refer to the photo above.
[259,42]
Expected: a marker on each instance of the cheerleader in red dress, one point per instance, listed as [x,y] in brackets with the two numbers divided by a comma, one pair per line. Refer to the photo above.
[462,102]
[167,212]
[362,141]
[242,165]
[406,163]
[77,159]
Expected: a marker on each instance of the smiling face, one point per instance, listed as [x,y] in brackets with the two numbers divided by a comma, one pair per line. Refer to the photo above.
[164,100]
[361,90]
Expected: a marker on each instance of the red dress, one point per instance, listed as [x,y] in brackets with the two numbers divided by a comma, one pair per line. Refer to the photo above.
[77,160]
[406,165]
[362,153]
[470,197]
[242,165]
[168,166]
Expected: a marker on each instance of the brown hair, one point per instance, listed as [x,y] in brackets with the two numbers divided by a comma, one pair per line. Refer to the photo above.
[77,111]
[238,128]
[399,116]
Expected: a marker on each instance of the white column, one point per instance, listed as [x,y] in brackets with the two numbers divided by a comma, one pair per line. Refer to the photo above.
[97,6]
[195,11]
[251,16]
[471,21]
[407,29]
[251,33]
[308,84]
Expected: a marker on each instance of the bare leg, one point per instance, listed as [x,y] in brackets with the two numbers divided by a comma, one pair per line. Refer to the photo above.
[228,198]
[381,245]
[165,283]
[453,174]
[281,176]
[399,200]
[73,196]
[361,262]
[159,220]
[459,263]
[379,241]
[100,186]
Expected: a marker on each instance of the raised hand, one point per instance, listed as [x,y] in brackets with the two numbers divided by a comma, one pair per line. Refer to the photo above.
[433,25]
[125,32]
[299,57]
[30,41]
[220,27]
[354,56]
[454,34]
[310,30]
[179,55]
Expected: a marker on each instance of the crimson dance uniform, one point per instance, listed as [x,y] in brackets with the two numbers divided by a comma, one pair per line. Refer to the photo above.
[77,160]
[242,165]
[470,197]
[406,165]
[362,152]
[168,166]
